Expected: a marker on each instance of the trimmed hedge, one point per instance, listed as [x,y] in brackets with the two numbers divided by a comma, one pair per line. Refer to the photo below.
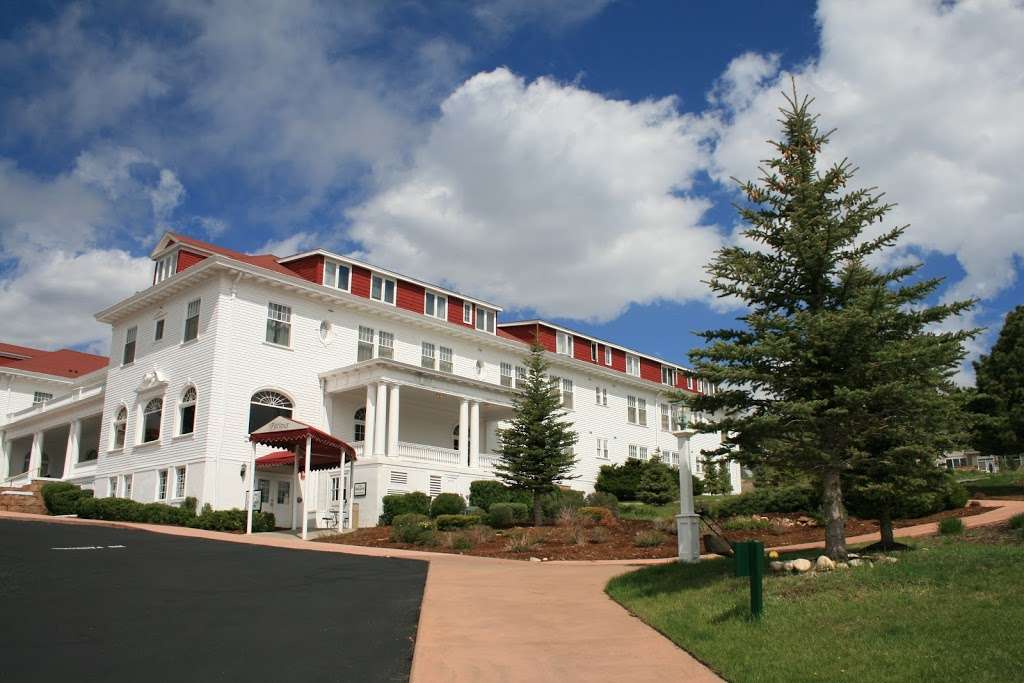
[796,498]
[397,504]
[624,481]
[447,504]
[450,522]
[125,510]
[412,527]
[484,493]
[505,515]
[63,498]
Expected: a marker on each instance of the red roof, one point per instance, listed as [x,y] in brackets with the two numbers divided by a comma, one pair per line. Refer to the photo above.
[326,450]
[62,363]
[268,261]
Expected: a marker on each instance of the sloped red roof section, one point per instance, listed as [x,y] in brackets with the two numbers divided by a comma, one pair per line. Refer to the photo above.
[62,363]
[268,261]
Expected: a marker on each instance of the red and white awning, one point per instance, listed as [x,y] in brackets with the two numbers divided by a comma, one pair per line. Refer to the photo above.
[326,451]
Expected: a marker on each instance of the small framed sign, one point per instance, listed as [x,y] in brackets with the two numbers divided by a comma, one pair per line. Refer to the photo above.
[257,501]
[359,489]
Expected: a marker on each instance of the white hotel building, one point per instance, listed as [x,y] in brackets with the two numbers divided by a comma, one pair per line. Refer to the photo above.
[415,377]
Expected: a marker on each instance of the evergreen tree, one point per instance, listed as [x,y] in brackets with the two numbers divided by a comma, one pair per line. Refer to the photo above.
[998,404]
[659,483]
[716,474]
[792,375]
[537,447]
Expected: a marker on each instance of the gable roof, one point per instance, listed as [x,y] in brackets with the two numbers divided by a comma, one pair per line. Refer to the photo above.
[268,261]
[62,363]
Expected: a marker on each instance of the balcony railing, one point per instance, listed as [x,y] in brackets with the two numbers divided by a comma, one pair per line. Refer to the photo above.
[436,454]
[489,459]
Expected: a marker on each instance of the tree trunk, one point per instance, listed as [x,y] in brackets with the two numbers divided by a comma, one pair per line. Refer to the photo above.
[835,515]
[538,514]
[885,529]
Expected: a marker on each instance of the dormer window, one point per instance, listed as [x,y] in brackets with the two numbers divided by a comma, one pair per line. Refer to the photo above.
[337,275]
[668,375]
[467,313]
[165,267]
[632,365]
[563,343]
[485,319]
[435,305]
[593,351]
[382,289]
[607,355]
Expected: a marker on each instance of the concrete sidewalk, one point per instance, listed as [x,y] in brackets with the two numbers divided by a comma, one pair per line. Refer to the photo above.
[486,619]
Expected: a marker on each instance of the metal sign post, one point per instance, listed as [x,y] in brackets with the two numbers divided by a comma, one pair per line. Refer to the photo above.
[749,561]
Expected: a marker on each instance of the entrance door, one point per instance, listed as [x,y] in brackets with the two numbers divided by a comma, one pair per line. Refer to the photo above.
[283,504]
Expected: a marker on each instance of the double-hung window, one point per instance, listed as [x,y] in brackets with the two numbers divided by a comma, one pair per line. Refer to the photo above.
[112,487]
[129,346]
[445,359]
[566,393]
[485,319]
[593,351]
[467,312]
[506,374]
[161,485]
[636,410]
[179,481]
[335,489]
[689,382]
[521,377]
[364,349]
[601,396]
[435,305]
[632,365]
[337,275]
[192,320]
[563,343]
[158,333]
[668,375]
[126,485]
[602,449]
[385,344]
[279,324]
[666,417]
[428,356]
[607,355]
[382,289]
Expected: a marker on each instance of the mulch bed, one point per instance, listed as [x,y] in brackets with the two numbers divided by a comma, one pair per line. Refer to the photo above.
[557,543]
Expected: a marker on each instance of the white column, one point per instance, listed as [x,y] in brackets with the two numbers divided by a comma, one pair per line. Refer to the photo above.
[393,401]
[295,489]
[249,479]
[463,432]
[71,454]
[687,522]
[370,421]
[474,434]
[305,493]
[35,457]
[351,488]
[381,420]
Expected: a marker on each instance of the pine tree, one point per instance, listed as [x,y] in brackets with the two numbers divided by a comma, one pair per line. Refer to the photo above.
[998,405]
[716,474]
[537,447]
[794,395]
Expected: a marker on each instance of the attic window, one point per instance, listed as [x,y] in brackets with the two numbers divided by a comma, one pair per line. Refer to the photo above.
[165,267]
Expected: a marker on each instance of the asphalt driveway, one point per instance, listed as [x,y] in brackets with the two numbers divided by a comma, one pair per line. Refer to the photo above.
[102,603]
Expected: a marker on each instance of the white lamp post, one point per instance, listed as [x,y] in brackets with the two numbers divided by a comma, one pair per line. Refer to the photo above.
[687,521]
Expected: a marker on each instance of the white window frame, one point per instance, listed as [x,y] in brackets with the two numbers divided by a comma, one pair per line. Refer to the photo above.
[142,420]
[689,382]
[467,312]
[112,486]
[608,355]
[594,351]
[522,377]
[445,359]
[636,411]
[632,365]
[666,417]
[279,314]
[383,298]
[506,374]
[334,282]
[126,485]
[119,427]
[602,448]
[435,305]
[485,319]
[565,392]
[40,396]
[165,267]
[334,489]
[190,315]
[163,477]
[159,327]
[365,341]
[563,343]
[264,491]
[131,335]
[385,344]
[180,480]
[669,373]
[428,355]
[184,403]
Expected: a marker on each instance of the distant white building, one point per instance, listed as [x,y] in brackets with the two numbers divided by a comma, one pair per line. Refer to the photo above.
[415,377]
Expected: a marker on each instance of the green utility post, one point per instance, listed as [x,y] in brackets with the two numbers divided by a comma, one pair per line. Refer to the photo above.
[756,558]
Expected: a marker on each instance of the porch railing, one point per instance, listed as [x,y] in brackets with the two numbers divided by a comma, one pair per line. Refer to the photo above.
[489,459]
[418,451]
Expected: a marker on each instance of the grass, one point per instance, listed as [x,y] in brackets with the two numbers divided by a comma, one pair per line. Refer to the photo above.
[635,510]
[1002,484]
[940,613]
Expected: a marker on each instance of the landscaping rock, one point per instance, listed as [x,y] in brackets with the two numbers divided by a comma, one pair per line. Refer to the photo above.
[842,565]
[803,566]
[856,562]
[787,565]
[824,564]
[777,566]
[535,559]
[889,560]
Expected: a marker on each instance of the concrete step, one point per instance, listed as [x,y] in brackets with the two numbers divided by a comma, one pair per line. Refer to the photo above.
[28,499]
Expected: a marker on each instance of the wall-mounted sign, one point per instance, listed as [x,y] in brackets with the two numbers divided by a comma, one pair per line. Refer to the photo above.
[359,489]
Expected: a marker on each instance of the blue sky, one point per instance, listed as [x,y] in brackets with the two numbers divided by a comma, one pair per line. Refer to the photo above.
[569,160]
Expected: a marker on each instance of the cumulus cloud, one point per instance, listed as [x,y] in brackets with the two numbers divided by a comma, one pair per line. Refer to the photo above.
[501,16]
[548,196]
[927,99]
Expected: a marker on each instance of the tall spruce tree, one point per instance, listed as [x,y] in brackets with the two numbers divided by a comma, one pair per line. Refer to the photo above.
[793,392]
[998,404]
[537,447]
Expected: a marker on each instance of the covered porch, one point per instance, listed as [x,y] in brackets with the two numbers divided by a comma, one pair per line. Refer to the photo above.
[391,410]
[306,449]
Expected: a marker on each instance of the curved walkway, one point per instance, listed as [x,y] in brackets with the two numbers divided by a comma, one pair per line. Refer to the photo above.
[486,619]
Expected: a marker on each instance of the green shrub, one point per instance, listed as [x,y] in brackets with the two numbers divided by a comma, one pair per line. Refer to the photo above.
[505,515]
[462,542]
[951,526]
[602,499]
[124,510]
[411,527]
[447,504]
[596,516]
[484,493]
[796,498]
[648,539]
[1017,521]
[449,522]
[598,534]
[520,542]
[475,510]
[554,502]
[63,498]
[956,494]
[622,481]
[190,504]
[397,504]
[745,524]
[659,483]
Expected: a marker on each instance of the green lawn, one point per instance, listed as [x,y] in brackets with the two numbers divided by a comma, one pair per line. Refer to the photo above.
[949,610]
[1002,484]
[634,510]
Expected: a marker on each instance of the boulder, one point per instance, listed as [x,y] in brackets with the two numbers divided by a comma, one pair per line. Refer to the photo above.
[856,562]
[802,566]
[777,567]
[824,563]
[787,565]
[888,559]
[535,559]
[842,565]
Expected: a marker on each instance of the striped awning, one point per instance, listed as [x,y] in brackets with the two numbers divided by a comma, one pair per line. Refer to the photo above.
[326,451]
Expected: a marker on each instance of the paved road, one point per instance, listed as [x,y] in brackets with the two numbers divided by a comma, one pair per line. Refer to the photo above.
[125,605]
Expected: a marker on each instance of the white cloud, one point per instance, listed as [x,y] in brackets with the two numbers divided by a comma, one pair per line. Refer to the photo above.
[291,245]
[927,98]
[502,16]
[549,196]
